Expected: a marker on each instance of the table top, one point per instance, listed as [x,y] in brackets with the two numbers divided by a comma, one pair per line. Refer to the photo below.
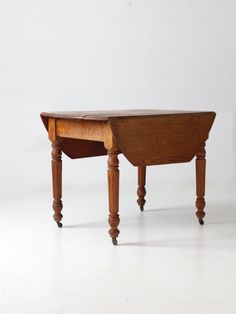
[103,115]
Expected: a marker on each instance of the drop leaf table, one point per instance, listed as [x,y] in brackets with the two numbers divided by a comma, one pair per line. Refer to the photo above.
[145,137]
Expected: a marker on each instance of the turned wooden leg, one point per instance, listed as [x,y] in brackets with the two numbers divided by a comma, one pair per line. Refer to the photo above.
[113,194]
[141,192]
[57,181]
[200,184]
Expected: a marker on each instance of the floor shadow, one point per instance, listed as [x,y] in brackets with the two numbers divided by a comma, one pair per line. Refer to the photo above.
[168,209]
[221,222]
[94,224]
[219,208]
[191,244]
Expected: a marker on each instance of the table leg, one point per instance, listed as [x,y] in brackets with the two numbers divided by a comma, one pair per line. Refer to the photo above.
[141,192]
[57,181]
[200,184]
[113,194]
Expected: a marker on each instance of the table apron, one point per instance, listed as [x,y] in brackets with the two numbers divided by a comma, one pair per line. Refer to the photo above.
[82,129]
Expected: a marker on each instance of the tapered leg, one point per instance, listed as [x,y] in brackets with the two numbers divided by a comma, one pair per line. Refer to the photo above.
[57,181]
[141,192]
[113,194]
[200,184]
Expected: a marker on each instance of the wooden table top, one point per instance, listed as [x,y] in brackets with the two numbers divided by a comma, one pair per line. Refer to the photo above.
[103,115]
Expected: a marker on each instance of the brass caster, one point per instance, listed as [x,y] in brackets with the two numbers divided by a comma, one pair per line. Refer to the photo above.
[114,241]
[201,221]
[59,224]
[141,208]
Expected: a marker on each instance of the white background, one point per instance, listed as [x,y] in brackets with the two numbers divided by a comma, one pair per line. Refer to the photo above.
[115,54]
[91,55]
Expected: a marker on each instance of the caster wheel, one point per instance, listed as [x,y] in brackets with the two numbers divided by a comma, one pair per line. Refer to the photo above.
[59,224]
[114,241]
[201,221]
[141,208]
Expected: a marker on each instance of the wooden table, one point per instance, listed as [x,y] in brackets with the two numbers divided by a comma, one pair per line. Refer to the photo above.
[145,137]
